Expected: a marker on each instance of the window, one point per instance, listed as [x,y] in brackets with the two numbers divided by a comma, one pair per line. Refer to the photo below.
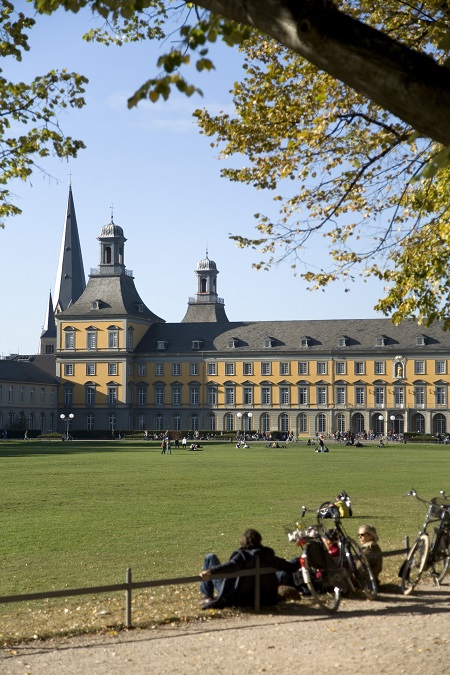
[419,396]
[304,342]
[1,393]
[212,368]
[52,396]
[440,395]
[419,367]
[248,395]
[321,395]
[360,367]
[194,422]
[32,395]
[22,395]
[268,342]
[342,342]
[90,422]
[69,342]
[380,341]
[49,349]
[142,422]
[130,338]
[284,396]
[360,395]
[211,422]
[130,369]
[193,368]
[142,369]
[440,367]
[113,339]
[229,369]
[284,423]
[303,395]
[266,368]
[176,368]
[159,395]
[11,395]
[341,368]
[340,422]
[68,369]
[159,422]
[68,396]
[212,396]
[228,422]
[176,395]
[112,396]
[379,396]
[229,395]
[321,423]
[194,395]
[112,368]
[176,422]
[266,398]
[284,368]
[379,367]
[159,369]
[91,340]
[247,369]
[42,395]
[340,396]
[399,397]
[420,340]
[142,395]
[321,367]
[90,395]
[302,424]
[90,368]
[303,367]
[161,344]
[197,344]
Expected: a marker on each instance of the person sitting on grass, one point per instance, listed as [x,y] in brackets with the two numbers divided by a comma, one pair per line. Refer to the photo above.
[368,542]
[240,591]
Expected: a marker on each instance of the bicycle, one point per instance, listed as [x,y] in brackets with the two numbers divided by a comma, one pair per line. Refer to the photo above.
[427,555]
[327,575]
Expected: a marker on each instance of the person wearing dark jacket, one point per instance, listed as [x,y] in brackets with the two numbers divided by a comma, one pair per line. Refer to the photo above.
[240,591]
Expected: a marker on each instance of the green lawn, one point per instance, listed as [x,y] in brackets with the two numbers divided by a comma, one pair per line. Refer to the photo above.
[79,514]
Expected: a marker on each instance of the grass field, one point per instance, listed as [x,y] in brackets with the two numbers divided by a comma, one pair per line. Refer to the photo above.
[78,514]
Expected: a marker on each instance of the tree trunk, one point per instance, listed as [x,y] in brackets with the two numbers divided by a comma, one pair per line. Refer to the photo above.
[409,84]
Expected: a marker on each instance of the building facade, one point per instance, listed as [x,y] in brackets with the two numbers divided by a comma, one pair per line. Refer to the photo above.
[123,368]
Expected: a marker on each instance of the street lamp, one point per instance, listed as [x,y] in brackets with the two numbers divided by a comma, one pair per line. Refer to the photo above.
[67,420]
[241,416]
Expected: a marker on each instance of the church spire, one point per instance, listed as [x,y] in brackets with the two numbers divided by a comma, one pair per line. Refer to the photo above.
[48,335]
[70,279]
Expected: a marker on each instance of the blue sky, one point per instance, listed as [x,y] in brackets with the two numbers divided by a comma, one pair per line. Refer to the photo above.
[162,179]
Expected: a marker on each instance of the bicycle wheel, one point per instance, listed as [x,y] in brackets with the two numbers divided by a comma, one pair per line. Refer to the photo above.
[362,572]
[415,564]
[321,582]
[440,557]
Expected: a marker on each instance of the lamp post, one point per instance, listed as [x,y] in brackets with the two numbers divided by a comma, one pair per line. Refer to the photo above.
[241,417]
[67,420]
[381,420]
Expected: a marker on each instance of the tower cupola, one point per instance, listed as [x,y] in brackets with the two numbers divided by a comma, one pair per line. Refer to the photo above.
[206,306]
[112,242]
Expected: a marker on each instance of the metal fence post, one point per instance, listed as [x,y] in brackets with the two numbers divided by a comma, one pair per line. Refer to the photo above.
[257,585]
[128,598]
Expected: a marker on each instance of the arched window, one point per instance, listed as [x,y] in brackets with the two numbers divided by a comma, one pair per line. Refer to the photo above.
[358,423]
[112,422]
[42,422]
[203,285]
[211,422]
[321,423]
[159,422]
[176,422]
[302,424]
[107,255]
[265,423]
[228,422]
[418,423]
[194,422]
[31,421]
[284,422]
[439,424]
[340,422]
[90,422]
[142,422]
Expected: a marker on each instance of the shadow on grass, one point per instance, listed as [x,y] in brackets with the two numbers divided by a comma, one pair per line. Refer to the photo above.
[30,448]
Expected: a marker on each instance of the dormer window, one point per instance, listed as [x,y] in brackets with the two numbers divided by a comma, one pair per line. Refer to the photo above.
[420,340]
[304,341]
[268,342]
[197,344]
[380,341]
[161,344]
[342,342]
[232,343]
[139,306]
[96,304]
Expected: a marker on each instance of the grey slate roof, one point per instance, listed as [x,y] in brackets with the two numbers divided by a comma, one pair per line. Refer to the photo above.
[118,296]
[205,312]
[70,279]
[25,371]
[361,336]
[49,329]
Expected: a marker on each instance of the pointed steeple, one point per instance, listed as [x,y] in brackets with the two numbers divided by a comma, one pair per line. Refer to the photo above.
[48,335]
[70,279]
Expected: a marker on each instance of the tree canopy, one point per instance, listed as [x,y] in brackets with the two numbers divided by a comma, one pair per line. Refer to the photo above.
[342,112]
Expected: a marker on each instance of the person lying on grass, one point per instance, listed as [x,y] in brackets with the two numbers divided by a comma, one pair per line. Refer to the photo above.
[240,591]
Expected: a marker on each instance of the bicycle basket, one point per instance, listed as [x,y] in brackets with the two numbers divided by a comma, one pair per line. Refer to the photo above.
[437,511]
[328,510]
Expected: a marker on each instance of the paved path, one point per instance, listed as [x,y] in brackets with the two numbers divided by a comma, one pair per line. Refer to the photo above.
[392,635]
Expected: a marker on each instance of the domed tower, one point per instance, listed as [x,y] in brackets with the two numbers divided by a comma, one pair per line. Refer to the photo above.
[206,306]
[112,242]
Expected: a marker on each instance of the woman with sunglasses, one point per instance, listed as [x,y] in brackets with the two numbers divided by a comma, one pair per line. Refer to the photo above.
[368,541]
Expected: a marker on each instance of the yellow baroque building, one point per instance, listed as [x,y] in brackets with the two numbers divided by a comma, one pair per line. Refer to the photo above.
[123,368]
